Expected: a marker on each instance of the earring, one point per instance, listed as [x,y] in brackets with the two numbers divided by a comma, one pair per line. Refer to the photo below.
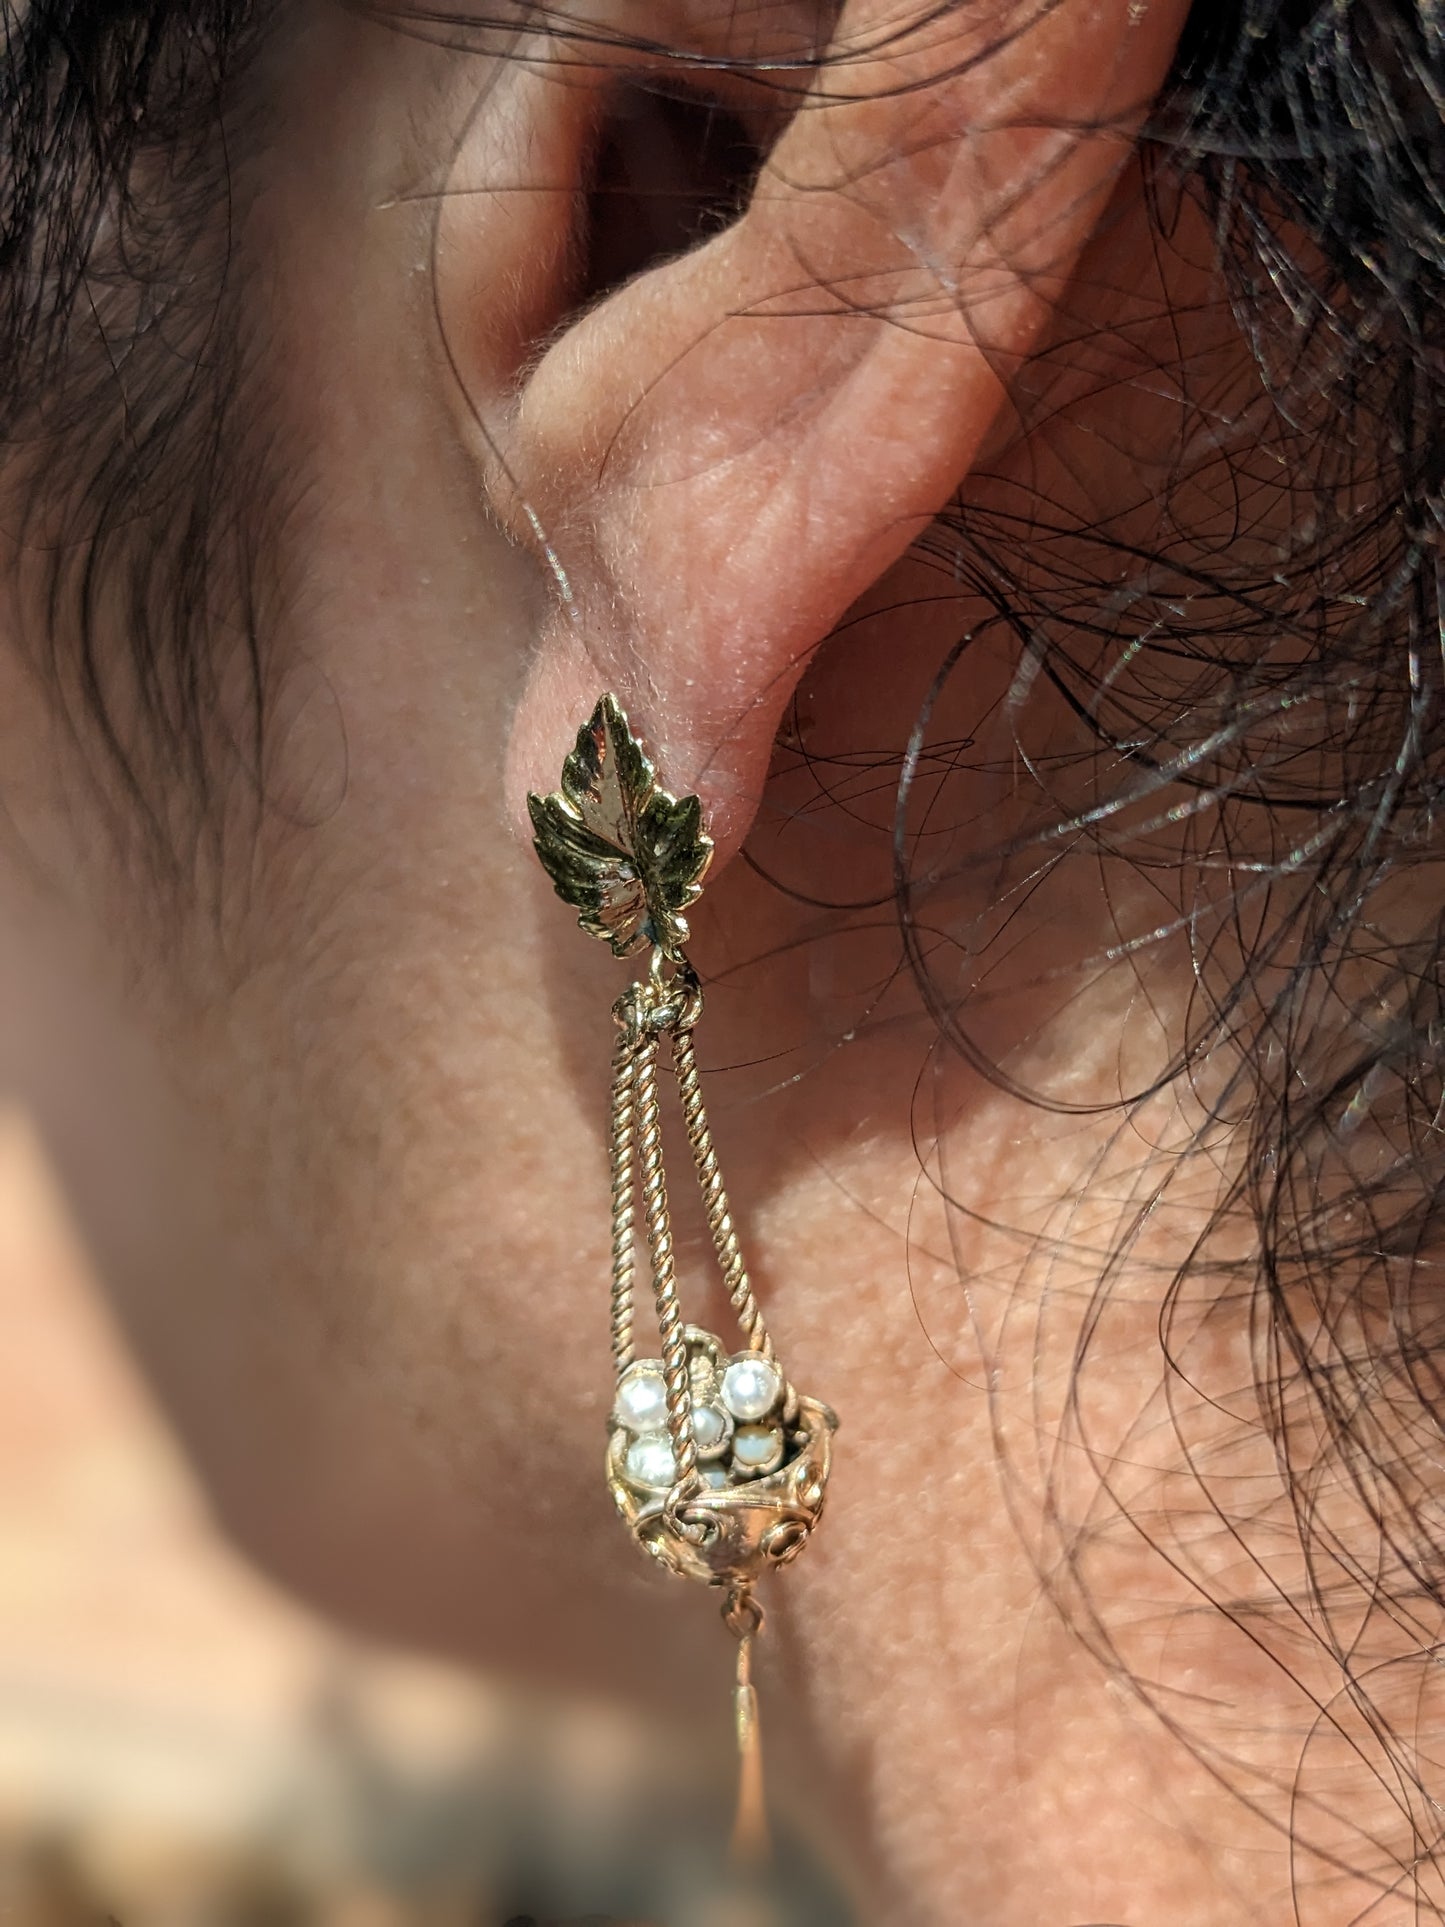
[716,1464]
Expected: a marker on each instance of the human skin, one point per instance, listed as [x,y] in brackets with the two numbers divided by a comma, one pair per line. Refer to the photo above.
[335,1126]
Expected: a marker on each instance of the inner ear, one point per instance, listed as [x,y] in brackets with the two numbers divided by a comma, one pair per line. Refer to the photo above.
[670,168]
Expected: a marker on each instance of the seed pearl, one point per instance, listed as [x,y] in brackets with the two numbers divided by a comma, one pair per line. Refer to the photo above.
[642,1398]
[715,1477]
[710,1428]
[650,1461]
[751,1387]
[757,1448]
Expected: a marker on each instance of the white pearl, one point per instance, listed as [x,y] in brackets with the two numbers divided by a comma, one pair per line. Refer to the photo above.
[641,1403]
[650,1462]
[757,1448]
[715,1477]
[710,1427]
[751,1387]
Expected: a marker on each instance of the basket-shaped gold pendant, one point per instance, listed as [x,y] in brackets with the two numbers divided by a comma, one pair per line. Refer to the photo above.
[763,1456]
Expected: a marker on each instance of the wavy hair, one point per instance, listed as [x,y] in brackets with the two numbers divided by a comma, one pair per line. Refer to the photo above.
[1256,715]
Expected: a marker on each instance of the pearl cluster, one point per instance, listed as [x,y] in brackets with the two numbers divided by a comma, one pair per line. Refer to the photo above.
[736,1421]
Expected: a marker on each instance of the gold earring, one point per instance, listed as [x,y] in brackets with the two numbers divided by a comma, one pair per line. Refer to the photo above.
[717,1465]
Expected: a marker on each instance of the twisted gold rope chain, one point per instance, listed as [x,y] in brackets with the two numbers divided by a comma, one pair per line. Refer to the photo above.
[624,1074]
[664,1270]
[647,1012]
[714,1197]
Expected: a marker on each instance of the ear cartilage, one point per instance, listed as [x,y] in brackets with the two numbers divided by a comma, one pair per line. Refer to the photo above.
[717,1465]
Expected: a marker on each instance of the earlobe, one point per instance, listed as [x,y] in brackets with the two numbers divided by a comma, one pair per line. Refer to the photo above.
[729,449]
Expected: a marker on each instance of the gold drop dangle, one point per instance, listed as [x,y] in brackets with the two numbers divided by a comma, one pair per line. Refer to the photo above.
[716,1463]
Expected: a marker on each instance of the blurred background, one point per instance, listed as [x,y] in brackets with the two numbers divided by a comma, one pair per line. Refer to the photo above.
[183,1746]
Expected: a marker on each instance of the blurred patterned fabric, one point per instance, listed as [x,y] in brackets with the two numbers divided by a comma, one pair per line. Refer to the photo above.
[183,1746]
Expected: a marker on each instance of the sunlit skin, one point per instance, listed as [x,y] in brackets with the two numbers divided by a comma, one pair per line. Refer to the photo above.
[337,1138]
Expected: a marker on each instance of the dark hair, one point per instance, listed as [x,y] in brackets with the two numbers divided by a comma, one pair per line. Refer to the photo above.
[125,401]
[1276,703]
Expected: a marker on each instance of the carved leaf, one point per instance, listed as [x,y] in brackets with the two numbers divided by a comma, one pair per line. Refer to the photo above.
[623,852]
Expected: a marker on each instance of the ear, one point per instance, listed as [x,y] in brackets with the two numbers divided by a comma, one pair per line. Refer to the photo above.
[727,450]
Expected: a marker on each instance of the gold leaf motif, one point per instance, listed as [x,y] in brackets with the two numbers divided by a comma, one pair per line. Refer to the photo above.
[624,853]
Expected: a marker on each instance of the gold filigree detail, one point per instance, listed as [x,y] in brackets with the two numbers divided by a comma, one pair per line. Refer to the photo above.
[736,1532]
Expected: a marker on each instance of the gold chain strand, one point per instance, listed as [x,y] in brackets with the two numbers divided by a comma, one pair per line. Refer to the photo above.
[664,1275]
[624,1076]
[714,1196]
